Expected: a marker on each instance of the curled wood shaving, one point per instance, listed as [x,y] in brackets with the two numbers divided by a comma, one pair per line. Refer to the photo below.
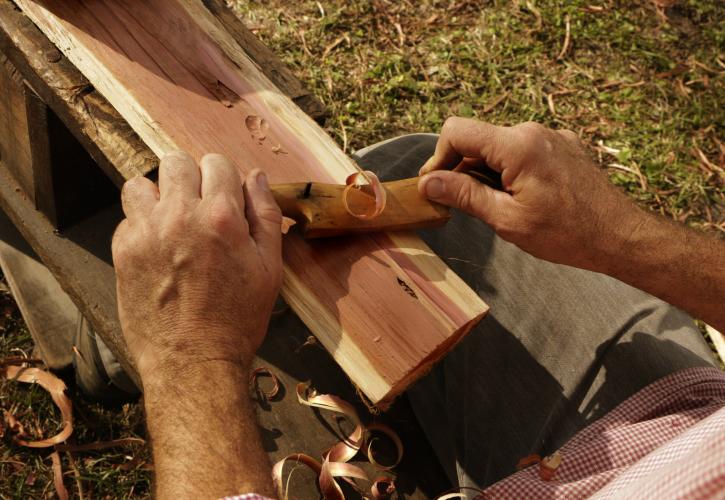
[270,394]
[19,360]
[549,465]
[383,487]
[384,429]
[287,223]
[528,460]
[299,458]
[56,387]
[12,424]
[330,470]
[334,463]
[357,181]
[17,369]
[99,445]
[58,476]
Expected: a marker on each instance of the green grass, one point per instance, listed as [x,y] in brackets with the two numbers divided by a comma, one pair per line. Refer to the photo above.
[496,63]
[387,68]
[27,473]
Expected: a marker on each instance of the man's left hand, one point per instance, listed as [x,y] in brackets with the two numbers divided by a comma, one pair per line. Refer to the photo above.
[198,265]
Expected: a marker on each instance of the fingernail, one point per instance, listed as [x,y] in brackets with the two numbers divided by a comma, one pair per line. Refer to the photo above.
[434,188]
[262,181]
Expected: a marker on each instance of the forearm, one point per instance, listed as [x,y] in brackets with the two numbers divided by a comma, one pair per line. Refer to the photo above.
[679,265]
[204,434]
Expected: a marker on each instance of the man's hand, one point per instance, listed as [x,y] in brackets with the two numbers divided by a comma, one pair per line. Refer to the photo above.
[198,266]
[558,205]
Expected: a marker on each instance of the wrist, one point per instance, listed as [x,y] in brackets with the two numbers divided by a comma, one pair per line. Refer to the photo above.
[181,357]
[180,378]
[629,237]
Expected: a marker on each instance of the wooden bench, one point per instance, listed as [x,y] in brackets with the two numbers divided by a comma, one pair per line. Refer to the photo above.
[65,152]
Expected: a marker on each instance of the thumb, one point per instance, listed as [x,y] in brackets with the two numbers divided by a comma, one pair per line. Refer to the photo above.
[465,193]
[264,217]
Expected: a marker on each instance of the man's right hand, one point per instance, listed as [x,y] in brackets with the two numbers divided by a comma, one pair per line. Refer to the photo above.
[558,205]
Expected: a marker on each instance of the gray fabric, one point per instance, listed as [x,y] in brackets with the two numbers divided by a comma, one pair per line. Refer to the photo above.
[559,348]
[113,368]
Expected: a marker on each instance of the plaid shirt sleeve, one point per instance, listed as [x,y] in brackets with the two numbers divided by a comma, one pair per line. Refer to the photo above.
[667,440]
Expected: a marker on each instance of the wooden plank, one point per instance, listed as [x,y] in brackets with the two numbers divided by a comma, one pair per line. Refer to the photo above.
[385,306]
[95,124]
[50,315]
[15,145]
[80,260]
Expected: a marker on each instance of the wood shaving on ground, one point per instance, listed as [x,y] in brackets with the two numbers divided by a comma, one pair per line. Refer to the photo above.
[334,464]
[253,380]
[19,369]
[55,386]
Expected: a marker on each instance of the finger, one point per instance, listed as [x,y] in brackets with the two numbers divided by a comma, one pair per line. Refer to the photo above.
[264,216]
[119,236]
[464,193]
[461,138]
[138,197]
[569,135]
[220,176]
[179,176]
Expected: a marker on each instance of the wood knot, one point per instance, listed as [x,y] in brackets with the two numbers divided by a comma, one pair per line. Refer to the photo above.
[406,288]
[53,55]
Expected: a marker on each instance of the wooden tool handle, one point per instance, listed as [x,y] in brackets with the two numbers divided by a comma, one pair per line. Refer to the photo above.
[486,175]
[320,213]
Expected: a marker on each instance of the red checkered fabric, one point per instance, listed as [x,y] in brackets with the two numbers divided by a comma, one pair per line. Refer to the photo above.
[666,441]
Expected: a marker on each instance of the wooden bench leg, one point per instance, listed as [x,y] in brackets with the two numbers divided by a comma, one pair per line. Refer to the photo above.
[49,313]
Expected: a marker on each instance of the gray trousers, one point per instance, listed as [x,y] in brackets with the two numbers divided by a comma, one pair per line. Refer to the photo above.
[559,348]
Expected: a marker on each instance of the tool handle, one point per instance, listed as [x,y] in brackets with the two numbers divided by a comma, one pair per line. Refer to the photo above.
[320,213]
[487,176]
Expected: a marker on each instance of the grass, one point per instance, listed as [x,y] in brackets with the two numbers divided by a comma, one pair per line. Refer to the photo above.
[644,92]
[27,473]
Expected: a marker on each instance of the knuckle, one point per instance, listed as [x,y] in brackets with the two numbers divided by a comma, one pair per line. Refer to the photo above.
[130,185]
[569,134]
[174,162]
[533,140]
[177,155]
[223,216]
[450,124]
[128,188]
[215,161]
[464,197]
[531,128]
[122,244]
[271,214]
